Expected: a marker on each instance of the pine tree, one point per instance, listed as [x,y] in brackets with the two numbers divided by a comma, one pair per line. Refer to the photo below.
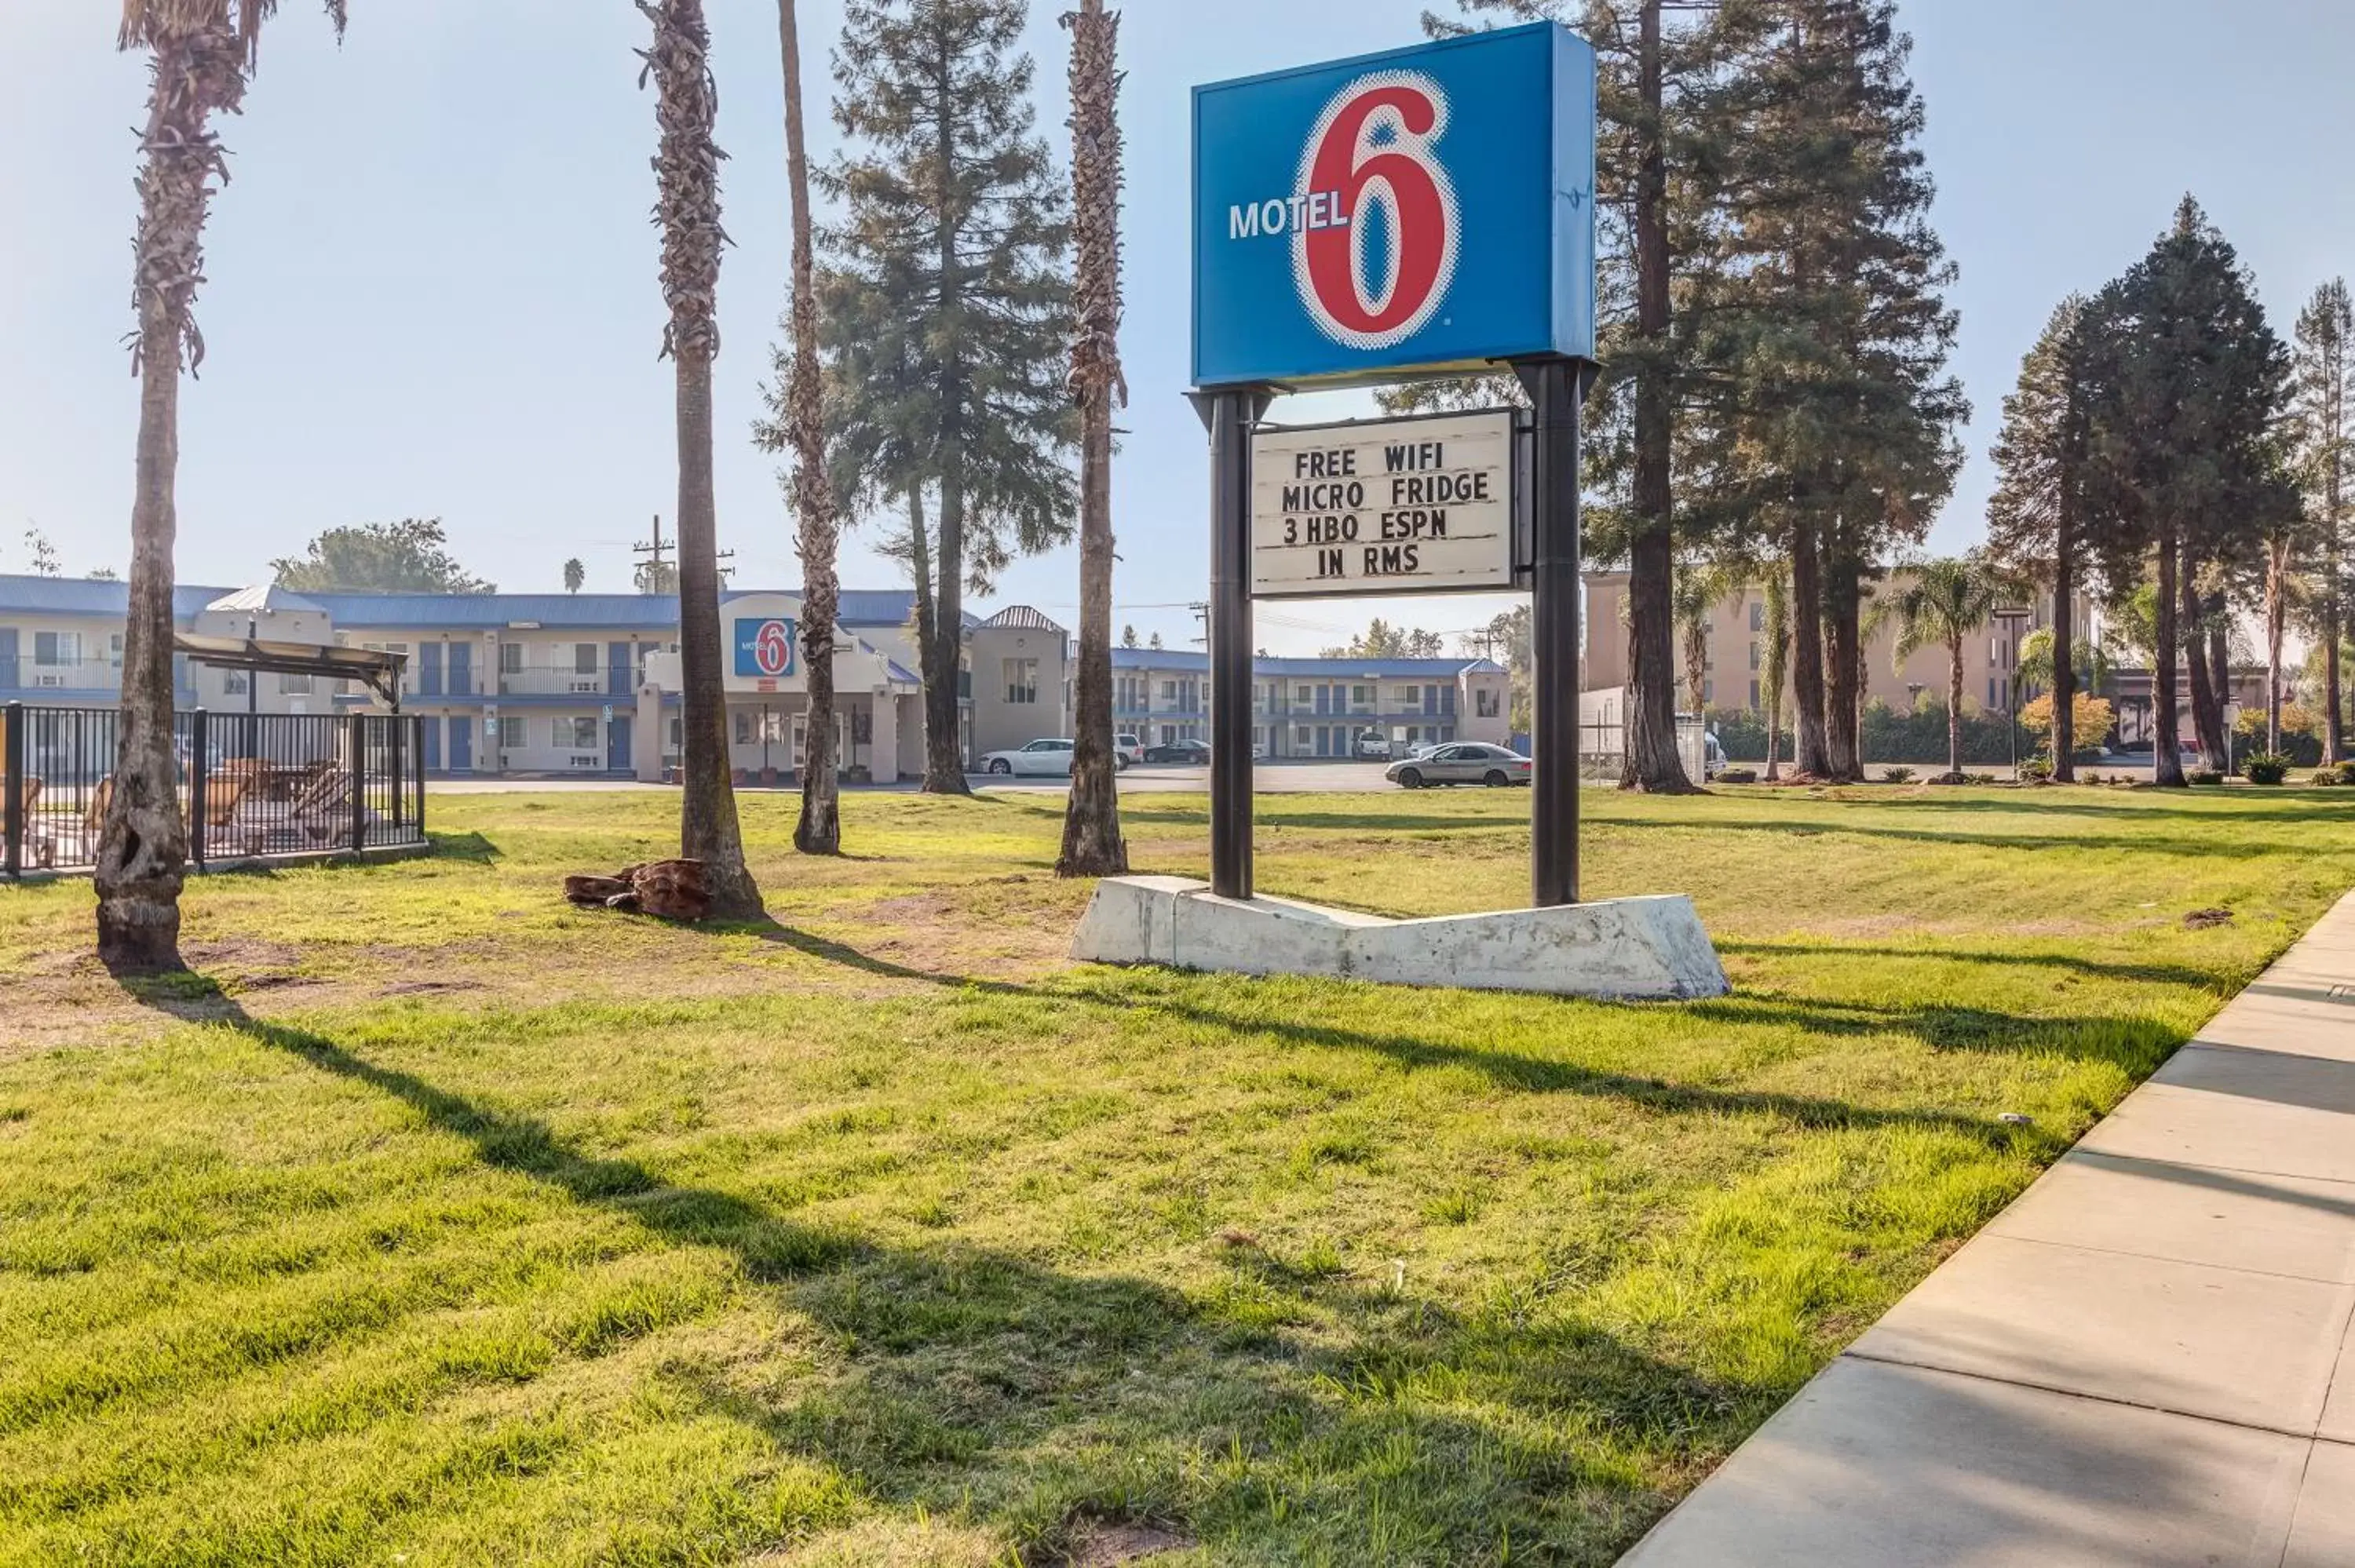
[1661,147]
[2326,472]
[1828,335]
[2188,384]
[951,309]
[2037,517]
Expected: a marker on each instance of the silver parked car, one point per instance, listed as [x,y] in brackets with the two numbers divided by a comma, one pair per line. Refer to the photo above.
[1461,762]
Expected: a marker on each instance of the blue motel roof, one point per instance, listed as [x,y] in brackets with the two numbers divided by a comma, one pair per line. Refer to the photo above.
[618,611]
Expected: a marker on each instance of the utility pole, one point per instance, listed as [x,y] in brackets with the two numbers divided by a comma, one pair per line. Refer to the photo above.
[656,575]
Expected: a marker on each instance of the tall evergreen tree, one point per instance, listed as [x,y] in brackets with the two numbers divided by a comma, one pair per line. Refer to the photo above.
[1661,145]
[2189,382]
[687,208]
[2036,519]
[949,262]
[1092,845]
[1828,333]
[2326,472]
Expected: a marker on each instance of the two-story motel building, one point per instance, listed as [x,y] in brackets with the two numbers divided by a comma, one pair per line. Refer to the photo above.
[589,685]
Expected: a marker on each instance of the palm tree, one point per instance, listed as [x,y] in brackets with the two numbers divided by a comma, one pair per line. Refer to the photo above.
[1700,584]
[201,55]
[687,208]
[575,574]
[820,828]
[1947,600]
[1092,838]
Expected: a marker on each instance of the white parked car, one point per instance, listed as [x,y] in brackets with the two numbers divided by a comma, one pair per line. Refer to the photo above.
[1040,757]
[1050,758]
[1130,748]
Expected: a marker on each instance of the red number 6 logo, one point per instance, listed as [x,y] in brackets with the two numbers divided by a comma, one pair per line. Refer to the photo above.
[772,649]
[1372,148]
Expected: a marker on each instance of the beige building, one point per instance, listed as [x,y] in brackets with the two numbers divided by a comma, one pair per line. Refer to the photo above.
[1735,675]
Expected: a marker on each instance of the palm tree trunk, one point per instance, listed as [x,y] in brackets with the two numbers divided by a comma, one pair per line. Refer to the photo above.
[2278,562]
[1954,709]
[142,844]
[1778,659]
[2207,701]
[687,172]
[2065,656]
[1092,845]
[1651,760]
[2167,753]
[943,727]
[819,831]
[1844,668]
[1810,755]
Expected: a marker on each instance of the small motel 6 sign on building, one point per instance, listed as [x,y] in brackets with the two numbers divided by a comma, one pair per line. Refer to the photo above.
[1423,210]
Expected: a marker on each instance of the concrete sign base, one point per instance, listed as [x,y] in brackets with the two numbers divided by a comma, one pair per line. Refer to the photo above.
[1621,949]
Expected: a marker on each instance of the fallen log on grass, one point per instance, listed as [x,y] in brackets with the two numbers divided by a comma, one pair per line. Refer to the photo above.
[667,889]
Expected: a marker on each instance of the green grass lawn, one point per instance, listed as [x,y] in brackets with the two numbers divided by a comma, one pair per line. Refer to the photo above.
[439,1223]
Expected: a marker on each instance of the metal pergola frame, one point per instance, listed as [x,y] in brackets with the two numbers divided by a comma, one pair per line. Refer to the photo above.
[380,671]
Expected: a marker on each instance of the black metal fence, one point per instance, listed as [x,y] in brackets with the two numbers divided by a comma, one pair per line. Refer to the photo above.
[251,785]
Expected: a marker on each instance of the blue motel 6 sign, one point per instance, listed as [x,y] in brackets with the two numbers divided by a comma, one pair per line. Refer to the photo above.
[1426,209]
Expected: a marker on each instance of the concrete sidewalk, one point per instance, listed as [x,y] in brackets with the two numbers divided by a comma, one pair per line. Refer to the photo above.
[2146,1359]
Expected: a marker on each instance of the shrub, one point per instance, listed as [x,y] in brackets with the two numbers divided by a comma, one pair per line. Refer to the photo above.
[2203,776]
[2036,770]
[2092,720]
[1737,776]
[1981,779]
[1897,775]
[2264,768]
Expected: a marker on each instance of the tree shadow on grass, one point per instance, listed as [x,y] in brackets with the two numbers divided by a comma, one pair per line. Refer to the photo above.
[2195,846]
[470,847]
[1513,1070]
[2159,974]
[982,1382]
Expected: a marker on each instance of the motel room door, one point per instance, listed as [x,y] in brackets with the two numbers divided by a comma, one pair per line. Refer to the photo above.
[617,744]
[462,743]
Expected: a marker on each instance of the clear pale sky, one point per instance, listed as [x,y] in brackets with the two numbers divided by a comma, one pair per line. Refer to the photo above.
[432,279]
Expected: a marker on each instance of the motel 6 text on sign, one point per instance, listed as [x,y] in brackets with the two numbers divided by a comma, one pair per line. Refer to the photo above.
[1423,210]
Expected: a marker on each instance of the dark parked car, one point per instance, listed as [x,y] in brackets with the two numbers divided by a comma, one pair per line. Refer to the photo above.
[1179,751]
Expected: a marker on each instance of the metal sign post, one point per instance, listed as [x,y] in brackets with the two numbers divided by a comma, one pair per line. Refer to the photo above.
[1228,415]
[1556,387]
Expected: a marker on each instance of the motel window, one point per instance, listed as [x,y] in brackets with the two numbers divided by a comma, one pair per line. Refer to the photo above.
[1487,702]
[294,685]
[743,727]
[1754,696]
[1304,695]
[114,651]
[1410,696]
[577,734]
[1758,617]
[56,648]
[1021,680]
[233,683]
[1300,735]
[584,658]
[1708,692]
[511,736]
[1362,696]
[510,658]
[1168,690]
[677,734]
[1754,656]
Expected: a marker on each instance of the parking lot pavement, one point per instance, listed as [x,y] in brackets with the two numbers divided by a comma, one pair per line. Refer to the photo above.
[1267,778]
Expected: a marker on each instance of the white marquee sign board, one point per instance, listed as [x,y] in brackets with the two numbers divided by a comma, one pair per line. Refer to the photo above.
[1414,505]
